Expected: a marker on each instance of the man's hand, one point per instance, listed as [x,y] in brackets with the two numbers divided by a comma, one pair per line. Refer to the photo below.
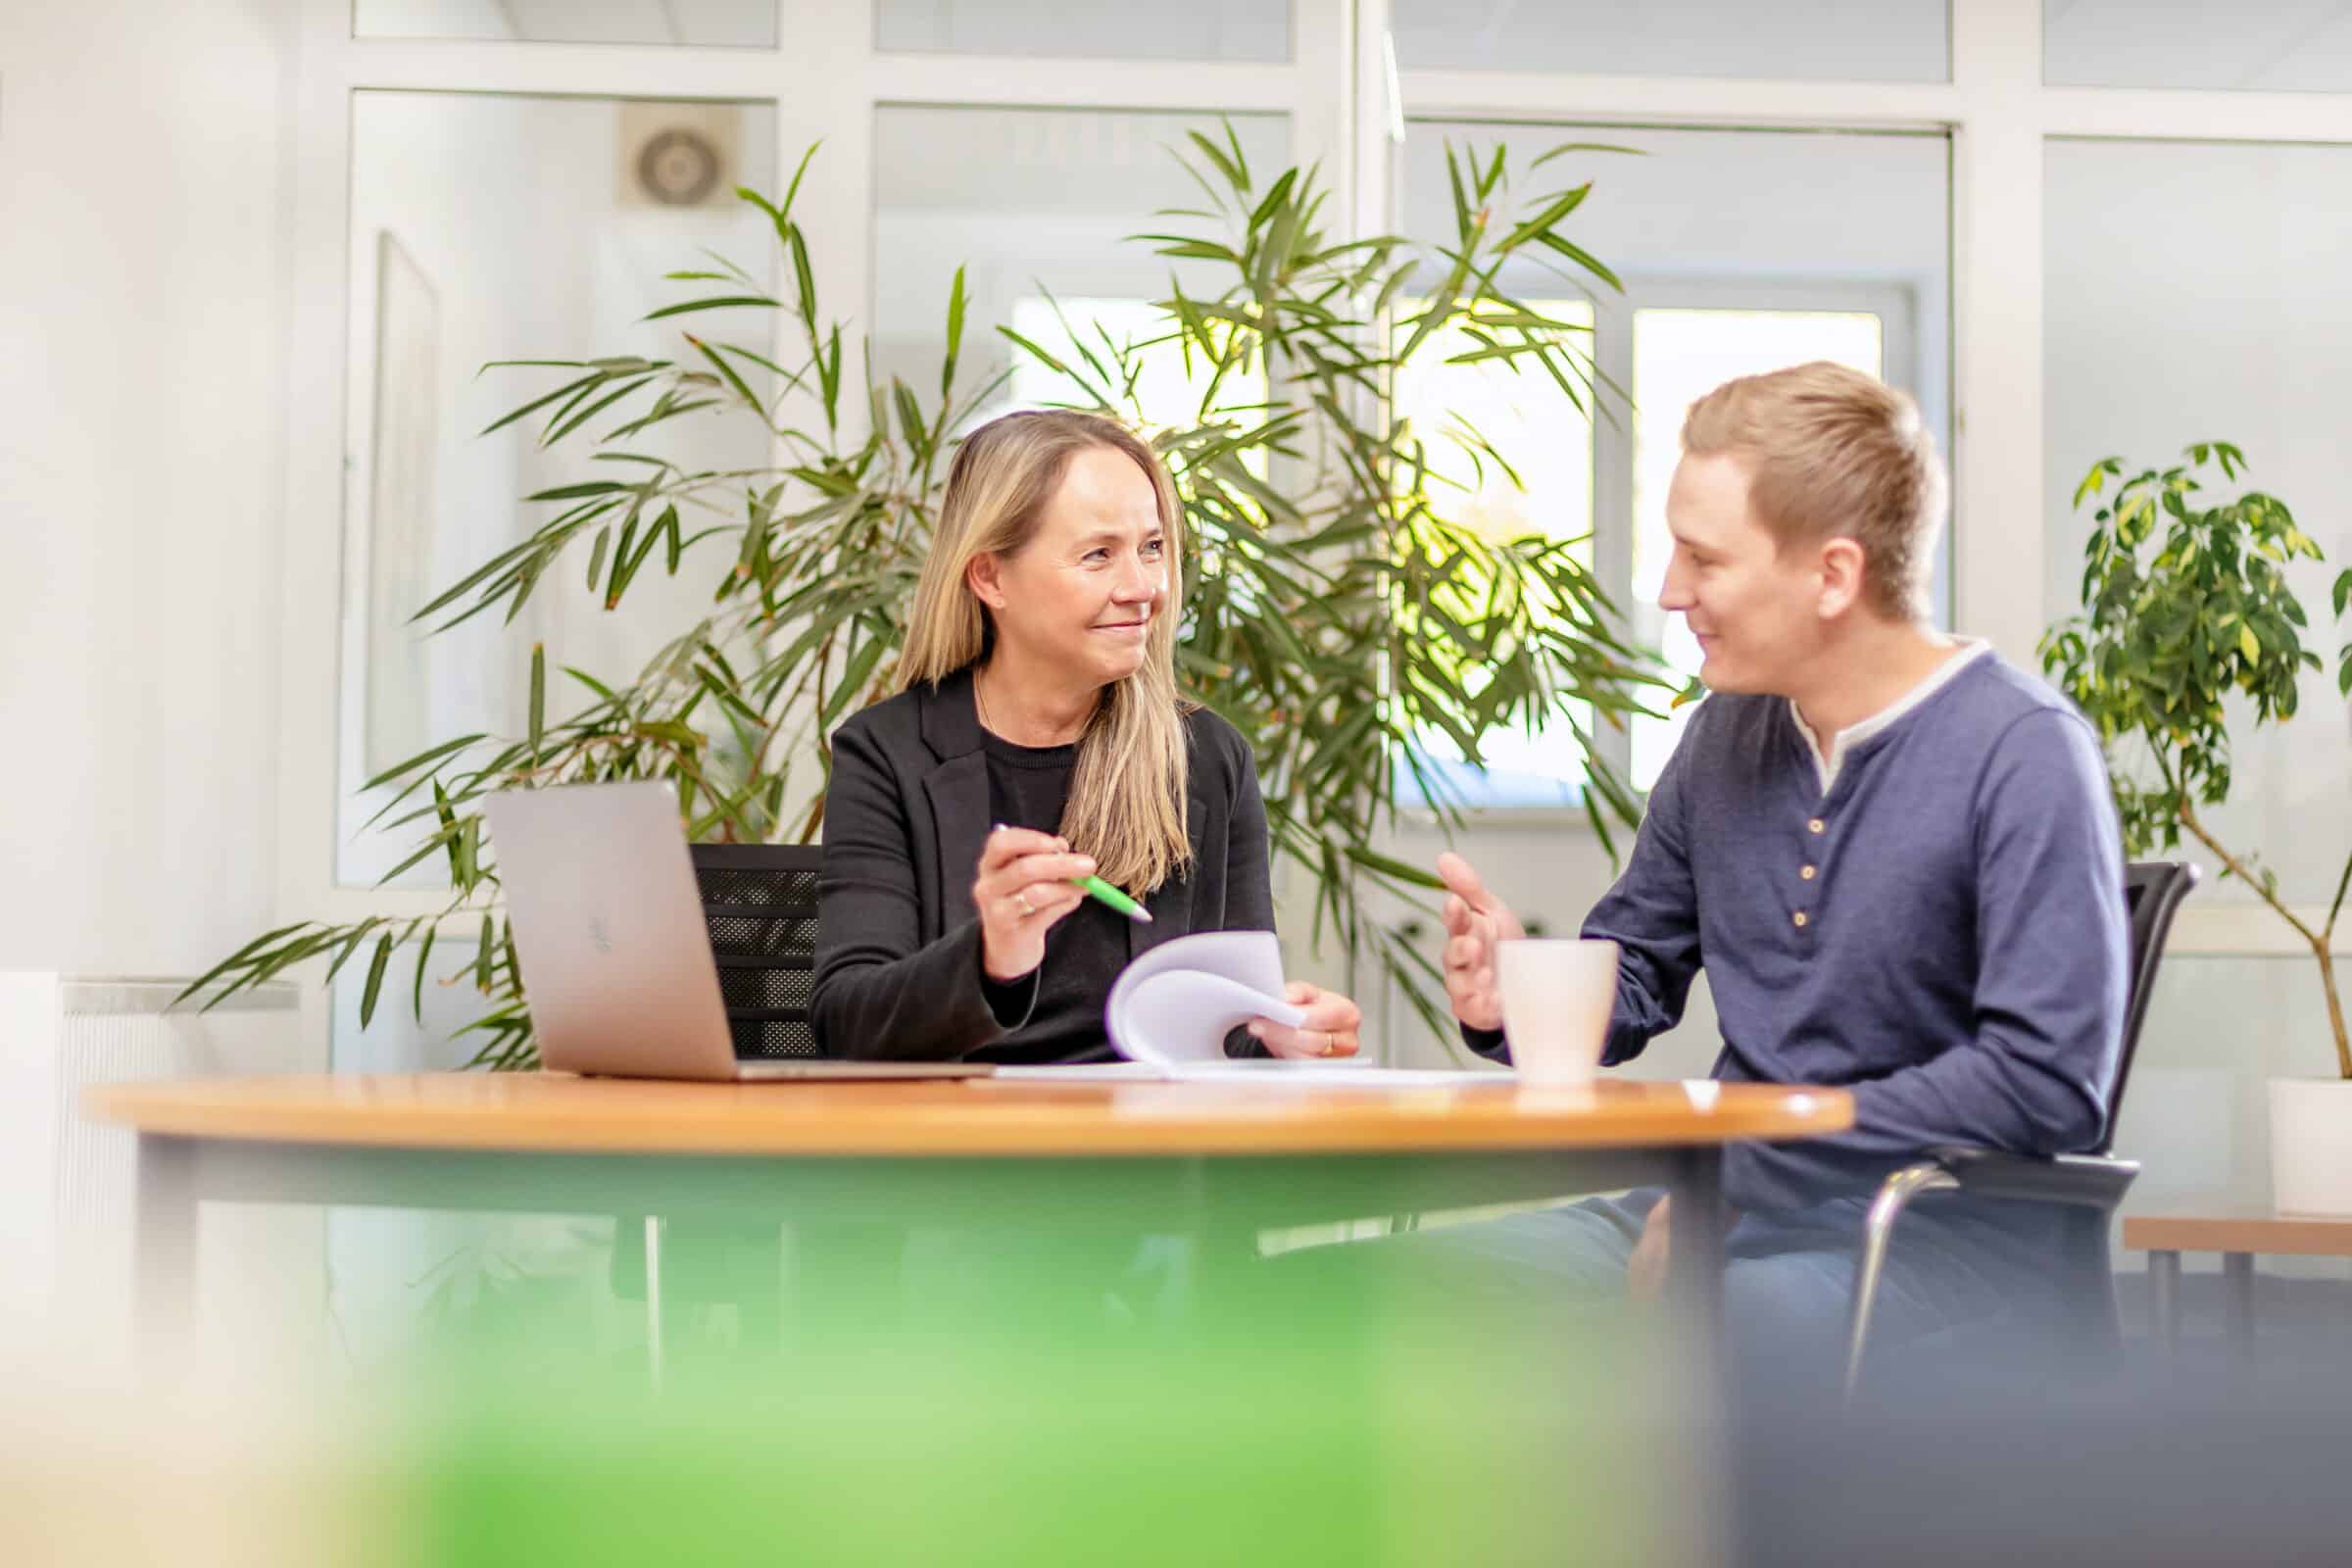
[1475,920]
[1645,1270]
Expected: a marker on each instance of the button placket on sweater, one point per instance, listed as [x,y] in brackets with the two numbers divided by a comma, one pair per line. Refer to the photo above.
[1817,829]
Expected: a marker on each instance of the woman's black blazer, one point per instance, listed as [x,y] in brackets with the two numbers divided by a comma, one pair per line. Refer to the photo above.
[898,947]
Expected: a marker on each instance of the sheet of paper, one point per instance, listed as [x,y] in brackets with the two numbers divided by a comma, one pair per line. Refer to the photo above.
[1175,1004]
[1260,1073]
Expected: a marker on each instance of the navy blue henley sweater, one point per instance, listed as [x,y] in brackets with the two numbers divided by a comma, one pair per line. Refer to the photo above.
[1955,954]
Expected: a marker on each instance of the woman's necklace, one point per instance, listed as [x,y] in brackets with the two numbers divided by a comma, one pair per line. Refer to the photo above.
[980,702]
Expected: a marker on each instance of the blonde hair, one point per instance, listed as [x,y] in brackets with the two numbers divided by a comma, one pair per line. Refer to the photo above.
[1127,802]
[1834,454]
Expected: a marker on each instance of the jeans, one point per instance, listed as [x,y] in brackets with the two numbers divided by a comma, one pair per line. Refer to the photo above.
[1955,1276]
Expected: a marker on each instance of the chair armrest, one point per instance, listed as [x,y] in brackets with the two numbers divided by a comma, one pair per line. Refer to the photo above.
[2086,1181]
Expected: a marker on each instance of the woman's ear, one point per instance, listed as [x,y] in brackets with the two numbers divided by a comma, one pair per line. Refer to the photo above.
[984,575]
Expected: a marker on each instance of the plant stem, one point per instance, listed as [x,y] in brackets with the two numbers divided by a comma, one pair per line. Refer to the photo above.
[2238,869]
[2321,941]
[2335,1013]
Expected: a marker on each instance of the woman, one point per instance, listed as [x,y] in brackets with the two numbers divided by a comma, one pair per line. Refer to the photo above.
[1039,697]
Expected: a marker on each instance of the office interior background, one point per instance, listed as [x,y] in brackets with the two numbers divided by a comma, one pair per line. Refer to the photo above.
[253,253]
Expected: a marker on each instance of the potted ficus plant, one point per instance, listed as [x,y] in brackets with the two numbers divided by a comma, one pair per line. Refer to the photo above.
[2190,619]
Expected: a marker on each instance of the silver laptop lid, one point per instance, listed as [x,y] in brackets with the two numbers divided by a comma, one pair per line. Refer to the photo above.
[609,929]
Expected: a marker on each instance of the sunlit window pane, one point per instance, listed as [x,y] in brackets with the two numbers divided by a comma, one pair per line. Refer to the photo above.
[1170,387]
[1537,480]
[1679,357]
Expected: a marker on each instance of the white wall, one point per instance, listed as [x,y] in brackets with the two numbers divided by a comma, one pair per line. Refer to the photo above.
[507,206]
[143,254]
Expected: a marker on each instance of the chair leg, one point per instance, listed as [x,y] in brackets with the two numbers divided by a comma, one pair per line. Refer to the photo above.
[1878,1231]
[654,1326]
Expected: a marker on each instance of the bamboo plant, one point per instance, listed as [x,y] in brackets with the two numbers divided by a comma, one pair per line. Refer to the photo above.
[1339,608]
[2186,609]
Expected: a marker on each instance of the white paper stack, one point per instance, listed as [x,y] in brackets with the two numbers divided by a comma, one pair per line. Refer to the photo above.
[1170,1010]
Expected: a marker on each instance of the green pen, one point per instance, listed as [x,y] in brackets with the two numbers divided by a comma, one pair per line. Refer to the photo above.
[1114,898]
[1105,892]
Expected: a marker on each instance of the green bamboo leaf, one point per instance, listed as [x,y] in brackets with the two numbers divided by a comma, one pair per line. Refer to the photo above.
[569,389]
[1272,201]
[804,277]
[596,554]
[375,979]
[482,954]
[1415,875]
[793,189]
[727,372]
[1225,166]
[1559,206]
[573,421]
[538,696]
[429,755]
[956,310]
[1582,257]
[722,302]
[425,952]
[575,492]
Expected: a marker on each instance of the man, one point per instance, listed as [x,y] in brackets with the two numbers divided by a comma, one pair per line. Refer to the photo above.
[1894,854]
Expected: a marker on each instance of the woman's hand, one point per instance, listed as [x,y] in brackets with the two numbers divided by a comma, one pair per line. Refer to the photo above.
[1022,887]
[1329,1029]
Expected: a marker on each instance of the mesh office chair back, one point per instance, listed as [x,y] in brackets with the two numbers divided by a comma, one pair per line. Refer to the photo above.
[759,904]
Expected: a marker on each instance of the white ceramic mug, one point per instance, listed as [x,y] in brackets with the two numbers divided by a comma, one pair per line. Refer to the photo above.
[1557,995]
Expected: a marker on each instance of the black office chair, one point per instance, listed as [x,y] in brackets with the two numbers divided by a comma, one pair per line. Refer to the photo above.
[760,908]
[2088,1186]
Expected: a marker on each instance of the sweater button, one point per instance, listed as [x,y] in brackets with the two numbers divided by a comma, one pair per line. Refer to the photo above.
[1817,825]
[1799,918]
[1808,873]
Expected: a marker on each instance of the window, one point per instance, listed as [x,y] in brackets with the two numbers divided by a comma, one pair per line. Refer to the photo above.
[1031,204]
[1168,387]
[1549,443]
[1826,40]
[1848,260]
[1680,355]
[741,24]
[1211,29]
[2260,45]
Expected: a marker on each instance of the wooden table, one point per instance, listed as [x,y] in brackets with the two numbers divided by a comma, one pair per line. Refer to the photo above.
[2238,1234]
[1197,1158]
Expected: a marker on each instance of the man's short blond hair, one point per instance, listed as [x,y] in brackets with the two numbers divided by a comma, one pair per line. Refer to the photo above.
[1834,454]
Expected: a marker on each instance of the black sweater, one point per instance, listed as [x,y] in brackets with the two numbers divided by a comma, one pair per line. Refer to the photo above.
[898,949]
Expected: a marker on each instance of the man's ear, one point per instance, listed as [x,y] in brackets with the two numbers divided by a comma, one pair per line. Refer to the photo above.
[1842,567]
[984,576]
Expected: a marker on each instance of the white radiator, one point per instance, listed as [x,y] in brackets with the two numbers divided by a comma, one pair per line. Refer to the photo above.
[66,1184]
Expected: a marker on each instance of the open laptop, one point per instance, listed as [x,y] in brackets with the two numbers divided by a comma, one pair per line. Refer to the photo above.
[615,959]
